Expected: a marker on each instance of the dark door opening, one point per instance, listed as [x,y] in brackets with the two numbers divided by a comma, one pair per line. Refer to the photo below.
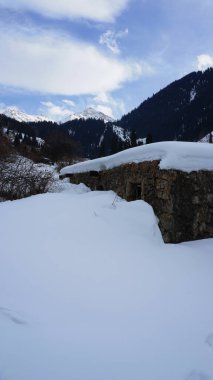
[99,188]
[134,191]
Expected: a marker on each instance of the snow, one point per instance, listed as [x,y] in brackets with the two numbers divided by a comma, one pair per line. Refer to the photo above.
[40,141]
[89,291]
[185,156]
[101,140]
[120,132]
[89,113]
[17,114]
[206,138]
[141,141]
[193,94]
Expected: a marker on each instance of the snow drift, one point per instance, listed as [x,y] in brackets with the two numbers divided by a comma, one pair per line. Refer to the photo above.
[88,291]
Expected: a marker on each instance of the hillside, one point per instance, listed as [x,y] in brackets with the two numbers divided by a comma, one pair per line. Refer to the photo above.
[95,136]
[181,111]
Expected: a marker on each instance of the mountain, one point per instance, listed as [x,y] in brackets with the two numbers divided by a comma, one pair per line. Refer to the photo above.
[17,114]
[97,138]
[181,111]
[89,113]
[12,125]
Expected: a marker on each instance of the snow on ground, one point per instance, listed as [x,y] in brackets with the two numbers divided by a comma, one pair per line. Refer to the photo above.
[141,141]
[88,291]
[206,138]
[185,156]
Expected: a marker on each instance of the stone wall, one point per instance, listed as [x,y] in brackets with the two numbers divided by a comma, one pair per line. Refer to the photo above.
[183,202]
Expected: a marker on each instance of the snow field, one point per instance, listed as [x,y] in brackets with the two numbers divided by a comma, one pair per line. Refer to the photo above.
[89,291]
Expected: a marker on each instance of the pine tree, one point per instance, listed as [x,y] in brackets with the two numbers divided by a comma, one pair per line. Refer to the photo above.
[16,140]
[114,144]
[133,138]
[149,139]
[102,149]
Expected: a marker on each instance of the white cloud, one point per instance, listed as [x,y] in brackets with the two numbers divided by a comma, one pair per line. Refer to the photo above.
[204,61]
[54,111]
[105,109]
[102,97]
[109,39]
[69,102]
[97,10]
[56,64]
[108,104]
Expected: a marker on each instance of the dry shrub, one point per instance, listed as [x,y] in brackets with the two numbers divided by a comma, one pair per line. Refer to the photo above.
[20,178]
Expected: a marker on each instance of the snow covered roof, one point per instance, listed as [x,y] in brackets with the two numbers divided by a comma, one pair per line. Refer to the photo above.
[184,156]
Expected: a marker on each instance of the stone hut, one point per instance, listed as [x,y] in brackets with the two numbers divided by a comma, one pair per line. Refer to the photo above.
[176,179]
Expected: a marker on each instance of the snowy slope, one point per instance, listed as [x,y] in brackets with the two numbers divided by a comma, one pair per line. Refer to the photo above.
[185,156]
[205,139]
[89,113]
[121,133]
[17,114]
[89,291]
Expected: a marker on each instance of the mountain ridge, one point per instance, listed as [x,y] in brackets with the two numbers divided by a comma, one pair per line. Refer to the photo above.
[16,113]
[183,110]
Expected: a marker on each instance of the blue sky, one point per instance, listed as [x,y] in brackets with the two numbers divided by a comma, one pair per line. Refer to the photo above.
[59,57]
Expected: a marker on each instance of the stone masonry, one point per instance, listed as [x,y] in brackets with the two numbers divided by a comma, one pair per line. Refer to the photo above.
[183,202]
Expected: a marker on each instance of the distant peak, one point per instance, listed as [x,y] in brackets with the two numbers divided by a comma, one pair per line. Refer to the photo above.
[89,113]
[15,113]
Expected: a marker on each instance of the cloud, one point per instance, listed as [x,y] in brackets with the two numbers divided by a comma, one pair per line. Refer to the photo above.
[108,104]
[54,111]
[204,61]
[105,109]
[103,102]
[69,102]
[97,10]
[109,38]
[50,63]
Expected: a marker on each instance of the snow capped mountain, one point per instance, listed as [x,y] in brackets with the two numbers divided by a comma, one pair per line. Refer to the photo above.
[17,114]
[89,113]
